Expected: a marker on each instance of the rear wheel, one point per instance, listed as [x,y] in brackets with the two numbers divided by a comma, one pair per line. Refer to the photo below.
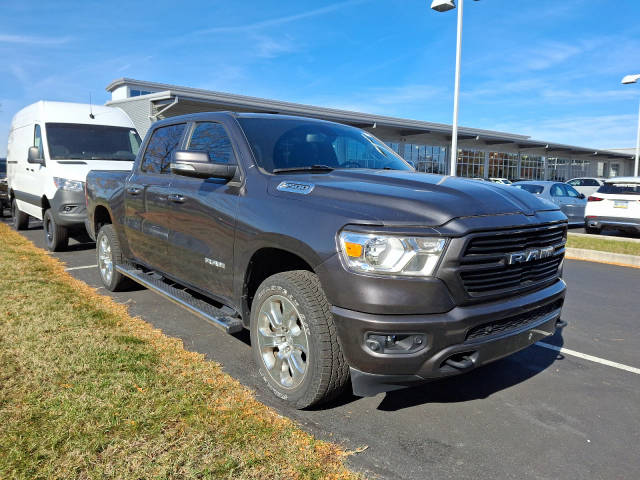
[109,255]
[294,340]
[593,230]
[20,219]
[56,236]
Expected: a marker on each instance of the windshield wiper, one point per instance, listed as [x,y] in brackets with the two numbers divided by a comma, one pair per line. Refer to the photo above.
[307,168]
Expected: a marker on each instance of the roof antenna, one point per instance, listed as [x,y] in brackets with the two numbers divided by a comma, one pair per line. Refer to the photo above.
[91,115]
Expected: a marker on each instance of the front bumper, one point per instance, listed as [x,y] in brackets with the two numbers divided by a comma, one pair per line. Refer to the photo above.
[69,208]
[620,223]
[460,340]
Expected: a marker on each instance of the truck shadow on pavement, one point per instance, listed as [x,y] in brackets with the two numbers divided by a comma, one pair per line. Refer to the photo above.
[480,383]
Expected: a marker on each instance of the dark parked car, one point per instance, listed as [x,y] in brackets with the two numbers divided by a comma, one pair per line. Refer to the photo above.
[570,201]
[341,260]
[4,190]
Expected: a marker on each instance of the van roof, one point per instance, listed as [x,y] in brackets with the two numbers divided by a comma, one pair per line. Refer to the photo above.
[68,112]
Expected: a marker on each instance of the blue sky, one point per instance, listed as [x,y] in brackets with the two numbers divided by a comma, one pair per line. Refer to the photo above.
[546,68]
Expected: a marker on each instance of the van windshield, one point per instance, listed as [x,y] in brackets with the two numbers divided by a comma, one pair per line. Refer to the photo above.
[70,141]
[285,144]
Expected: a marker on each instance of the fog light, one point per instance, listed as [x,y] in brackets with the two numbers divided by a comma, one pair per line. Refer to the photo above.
[395,343]
[68,208]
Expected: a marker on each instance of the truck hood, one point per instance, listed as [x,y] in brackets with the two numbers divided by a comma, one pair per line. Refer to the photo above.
[78,169]
[410,198]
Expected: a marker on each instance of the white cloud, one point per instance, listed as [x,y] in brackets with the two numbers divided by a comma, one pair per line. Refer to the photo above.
[28,40]
[269,47]
[282,20]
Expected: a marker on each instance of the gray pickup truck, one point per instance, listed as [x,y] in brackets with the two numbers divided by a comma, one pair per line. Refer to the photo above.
[343,262]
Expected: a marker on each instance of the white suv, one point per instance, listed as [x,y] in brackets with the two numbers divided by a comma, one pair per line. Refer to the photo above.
[616,204]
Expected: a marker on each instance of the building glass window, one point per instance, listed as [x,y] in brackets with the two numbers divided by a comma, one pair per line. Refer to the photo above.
[137,93]
[531,167]
[503,165]
[470,164]
[558,169]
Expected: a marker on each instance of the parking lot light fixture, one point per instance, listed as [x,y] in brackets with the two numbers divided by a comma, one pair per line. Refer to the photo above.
[628,79]
[445,6]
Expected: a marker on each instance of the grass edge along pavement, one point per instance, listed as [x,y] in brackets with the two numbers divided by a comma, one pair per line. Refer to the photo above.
[603,244]
[87,391]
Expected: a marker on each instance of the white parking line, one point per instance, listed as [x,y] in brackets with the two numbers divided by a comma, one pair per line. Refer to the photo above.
[80,268]
[591,358]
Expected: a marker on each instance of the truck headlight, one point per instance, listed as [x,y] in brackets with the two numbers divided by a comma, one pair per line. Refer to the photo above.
[68,185]
[391,254]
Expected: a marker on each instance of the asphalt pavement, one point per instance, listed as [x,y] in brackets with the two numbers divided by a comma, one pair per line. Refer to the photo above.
[538,414]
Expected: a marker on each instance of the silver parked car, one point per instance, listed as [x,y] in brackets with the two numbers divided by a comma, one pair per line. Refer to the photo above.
[571,202]
[586,185]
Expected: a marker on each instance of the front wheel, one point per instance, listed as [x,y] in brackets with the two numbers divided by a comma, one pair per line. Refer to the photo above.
[56,236]
[109,255]
[294,340]
[19,218]
[593,230]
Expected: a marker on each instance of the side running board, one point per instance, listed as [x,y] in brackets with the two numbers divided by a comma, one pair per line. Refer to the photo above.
[219,317]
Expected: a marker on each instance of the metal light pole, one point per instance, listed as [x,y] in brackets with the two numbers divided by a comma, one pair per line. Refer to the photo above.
[444,6]
[625,81]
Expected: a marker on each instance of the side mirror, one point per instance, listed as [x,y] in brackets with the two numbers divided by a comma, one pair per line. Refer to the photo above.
[197,164]
[581,196]
[34,156]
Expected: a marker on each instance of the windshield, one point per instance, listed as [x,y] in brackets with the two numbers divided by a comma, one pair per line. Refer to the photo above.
[620,188]
[91,142]
[536,189]
[3,167]
[297,143]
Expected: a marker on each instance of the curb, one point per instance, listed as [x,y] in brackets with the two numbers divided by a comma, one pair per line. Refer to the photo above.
[620,259]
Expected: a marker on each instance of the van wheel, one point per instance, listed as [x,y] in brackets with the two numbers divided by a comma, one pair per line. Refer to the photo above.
[55,236]
[294,340]
[109,255]
[20,219]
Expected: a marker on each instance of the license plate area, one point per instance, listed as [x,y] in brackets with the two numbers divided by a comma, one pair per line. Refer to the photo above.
[620,204]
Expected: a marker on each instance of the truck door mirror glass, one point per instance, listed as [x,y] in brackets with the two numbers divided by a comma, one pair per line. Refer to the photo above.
[34,156]
[197,164]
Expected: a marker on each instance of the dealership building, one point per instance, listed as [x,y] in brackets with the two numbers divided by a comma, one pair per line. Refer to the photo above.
[481,153]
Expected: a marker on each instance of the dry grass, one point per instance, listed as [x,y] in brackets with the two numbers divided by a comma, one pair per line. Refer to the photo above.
[87,391]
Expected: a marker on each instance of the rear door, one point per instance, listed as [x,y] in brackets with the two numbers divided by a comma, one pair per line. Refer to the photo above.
[203,216]
[147,209]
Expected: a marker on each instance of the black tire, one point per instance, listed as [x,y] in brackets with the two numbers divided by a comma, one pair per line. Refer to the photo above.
[56,237]
[116,281]
[593,230]
[19,218]
[327,372]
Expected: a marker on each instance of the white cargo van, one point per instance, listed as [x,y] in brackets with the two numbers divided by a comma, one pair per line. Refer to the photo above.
[52,146]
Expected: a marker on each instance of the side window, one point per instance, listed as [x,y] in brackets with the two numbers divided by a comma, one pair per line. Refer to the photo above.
[591,183]
[576,183]
[557,190]
[572,192]
[37,140]
[163,142]
[212,138]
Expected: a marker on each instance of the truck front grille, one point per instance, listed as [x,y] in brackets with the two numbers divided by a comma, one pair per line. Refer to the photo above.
[485,268]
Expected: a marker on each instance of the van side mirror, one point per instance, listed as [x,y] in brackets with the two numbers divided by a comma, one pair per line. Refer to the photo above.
[34,156]
[197,164]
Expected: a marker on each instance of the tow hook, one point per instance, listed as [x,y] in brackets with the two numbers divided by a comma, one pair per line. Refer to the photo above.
[463,364]
[561,323]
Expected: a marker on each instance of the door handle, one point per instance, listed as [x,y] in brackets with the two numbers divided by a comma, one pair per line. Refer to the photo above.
[176,198]
[134,190]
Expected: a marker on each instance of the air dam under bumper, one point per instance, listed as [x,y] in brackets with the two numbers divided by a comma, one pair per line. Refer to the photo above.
[621,223]
[68,208]
[454,342]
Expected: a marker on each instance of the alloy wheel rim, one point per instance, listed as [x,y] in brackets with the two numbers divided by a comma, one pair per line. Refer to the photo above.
[105,259]
[282,342]
[47,230]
